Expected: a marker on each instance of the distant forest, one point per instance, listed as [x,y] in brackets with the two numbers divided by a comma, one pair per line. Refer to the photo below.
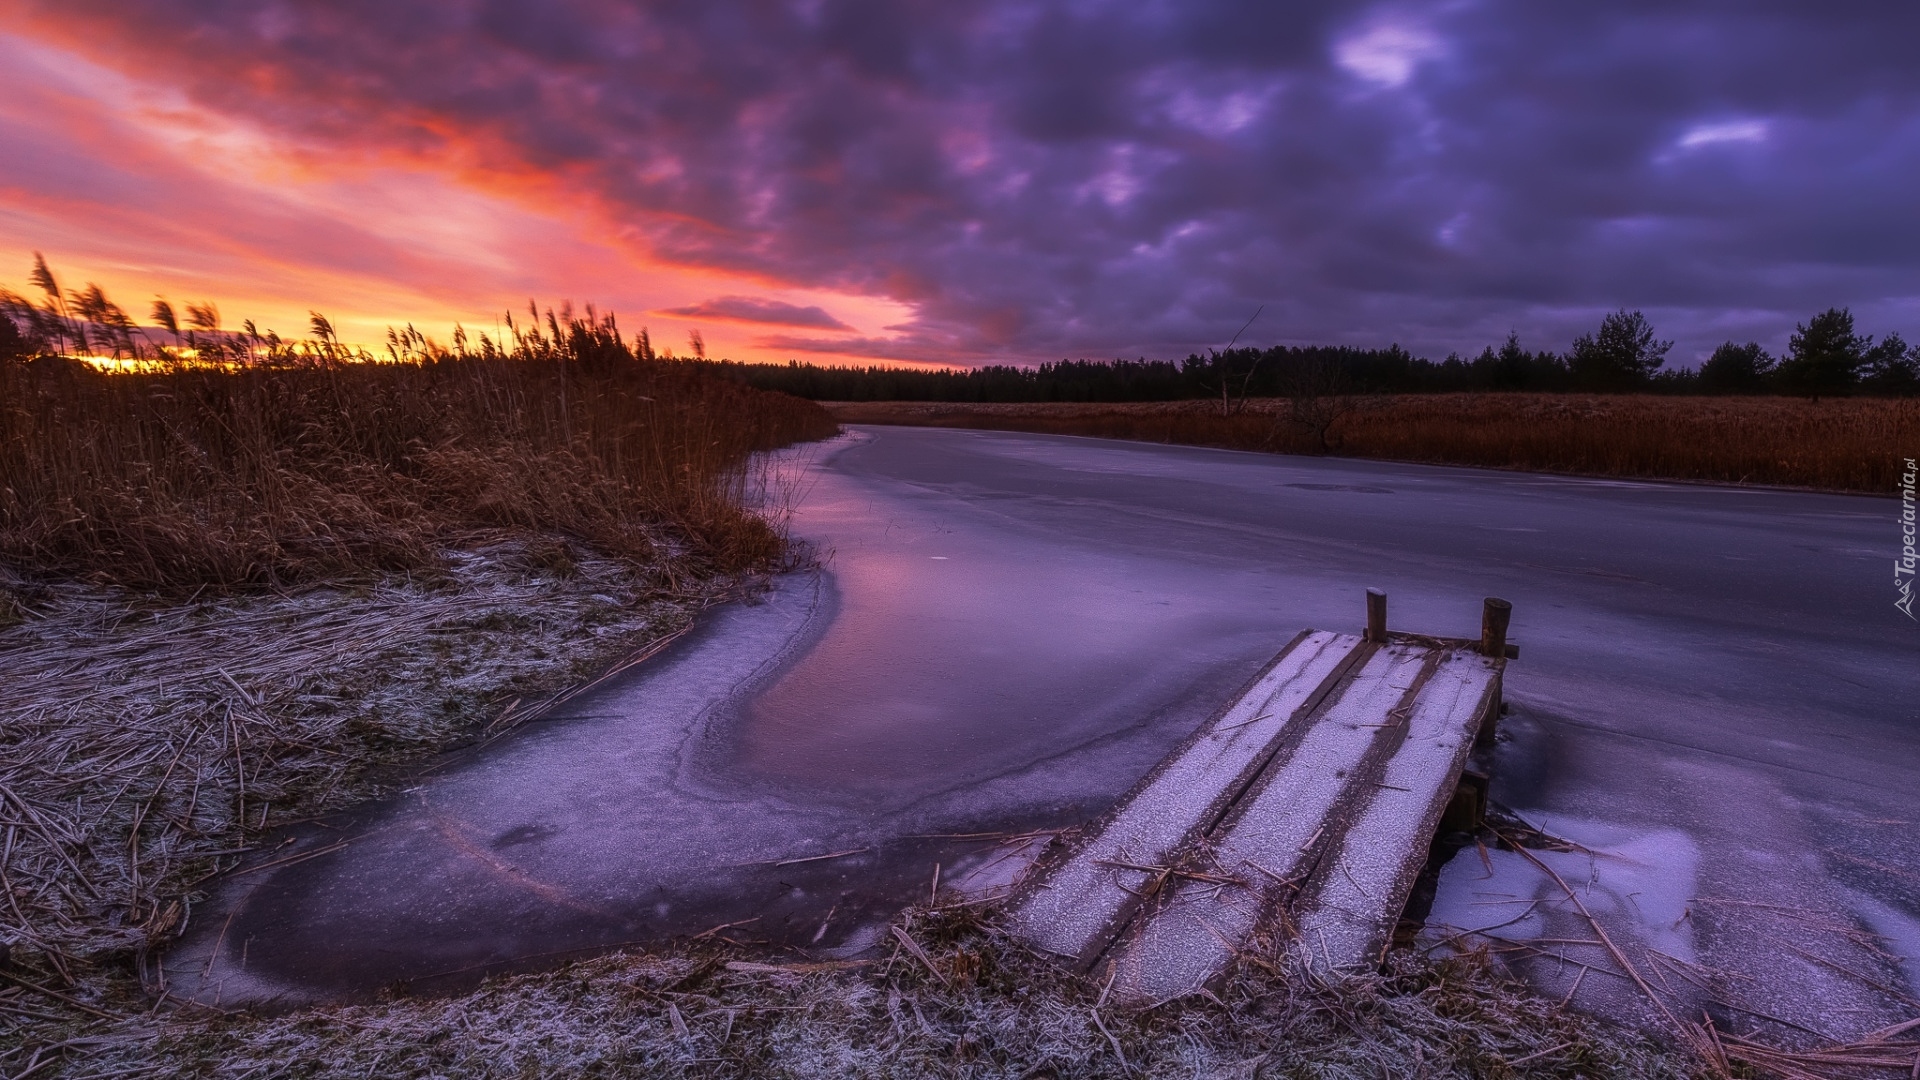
[1825,357]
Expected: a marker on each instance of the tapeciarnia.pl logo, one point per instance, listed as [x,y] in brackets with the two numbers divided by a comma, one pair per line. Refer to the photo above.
[1904,565]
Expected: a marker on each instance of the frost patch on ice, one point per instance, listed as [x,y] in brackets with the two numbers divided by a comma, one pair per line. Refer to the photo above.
[1900,933]
[995,871]
[1628,879]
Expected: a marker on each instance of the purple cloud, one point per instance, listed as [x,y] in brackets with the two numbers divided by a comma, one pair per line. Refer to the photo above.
[1042,180]
[757,309]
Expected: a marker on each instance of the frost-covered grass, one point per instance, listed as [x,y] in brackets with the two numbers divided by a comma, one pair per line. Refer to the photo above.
[977,1006]
[144,745]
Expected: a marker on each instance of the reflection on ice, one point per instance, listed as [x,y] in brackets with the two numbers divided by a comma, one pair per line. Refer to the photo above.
[1899,934]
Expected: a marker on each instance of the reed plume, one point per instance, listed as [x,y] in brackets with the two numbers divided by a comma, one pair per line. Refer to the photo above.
[268,462]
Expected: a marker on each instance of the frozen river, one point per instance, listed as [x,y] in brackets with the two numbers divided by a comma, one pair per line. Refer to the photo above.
[1715,695]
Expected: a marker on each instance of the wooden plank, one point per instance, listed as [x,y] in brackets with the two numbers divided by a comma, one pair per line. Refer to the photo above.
[1346,914]
[1076,907]
[1272,840]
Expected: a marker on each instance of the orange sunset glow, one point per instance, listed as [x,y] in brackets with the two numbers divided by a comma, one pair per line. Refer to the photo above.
[137,188]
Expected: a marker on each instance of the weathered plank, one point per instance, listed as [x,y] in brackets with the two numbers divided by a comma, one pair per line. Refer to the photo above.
[1075,910]
[1280,828]
[1346,914]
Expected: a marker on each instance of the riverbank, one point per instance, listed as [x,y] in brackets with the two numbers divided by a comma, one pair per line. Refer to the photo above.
[1838,444]
[145,743]
[150,741]
[950,998]
[237,596]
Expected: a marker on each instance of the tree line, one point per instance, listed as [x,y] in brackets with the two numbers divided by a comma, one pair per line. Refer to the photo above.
[1826,356]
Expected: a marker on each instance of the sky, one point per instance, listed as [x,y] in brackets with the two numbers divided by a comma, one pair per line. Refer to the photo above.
[986,182]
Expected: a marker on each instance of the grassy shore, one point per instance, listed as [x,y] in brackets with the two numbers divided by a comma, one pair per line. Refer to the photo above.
[967,1004]
[235,596]
[1838,444]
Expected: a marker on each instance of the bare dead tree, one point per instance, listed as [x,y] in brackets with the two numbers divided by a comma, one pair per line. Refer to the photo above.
[1319,396]
[1229,404]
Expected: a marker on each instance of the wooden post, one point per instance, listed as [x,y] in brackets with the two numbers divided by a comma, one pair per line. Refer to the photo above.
[1376,615]
[1468,808]
[1493,626]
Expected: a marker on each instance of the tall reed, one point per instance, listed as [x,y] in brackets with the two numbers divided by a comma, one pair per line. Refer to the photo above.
[295,465]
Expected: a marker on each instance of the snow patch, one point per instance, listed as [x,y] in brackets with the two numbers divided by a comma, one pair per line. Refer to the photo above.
[1899,930]
[1640,882]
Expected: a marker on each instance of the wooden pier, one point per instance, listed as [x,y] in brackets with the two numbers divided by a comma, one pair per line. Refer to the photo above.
[1307,807]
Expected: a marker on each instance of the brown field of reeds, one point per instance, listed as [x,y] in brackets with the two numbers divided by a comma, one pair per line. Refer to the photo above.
[1834,444]
[318,467]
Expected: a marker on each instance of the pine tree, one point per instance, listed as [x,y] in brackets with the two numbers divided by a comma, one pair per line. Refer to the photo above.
[1825,356]
[1621,356]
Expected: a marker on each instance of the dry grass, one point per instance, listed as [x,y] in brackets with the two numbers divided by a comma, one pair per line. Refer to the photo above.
[1847,444]
[318,467]
[135,742]
[144,747]
[977,1007]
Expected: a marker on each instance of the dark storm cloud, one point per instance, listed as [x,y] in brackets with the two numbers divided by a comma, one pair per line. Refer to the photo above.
[757,309]
[1120,178]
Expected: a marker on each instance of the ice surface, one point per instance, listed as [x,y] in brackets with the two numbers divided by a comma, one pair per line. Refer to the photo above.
[1642,880]
[1639,884]
[1715,662]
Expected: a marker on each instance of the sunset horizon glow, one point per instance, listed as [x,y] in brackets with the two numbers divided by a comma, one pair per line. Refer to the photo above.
[847,183]
[311,230]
